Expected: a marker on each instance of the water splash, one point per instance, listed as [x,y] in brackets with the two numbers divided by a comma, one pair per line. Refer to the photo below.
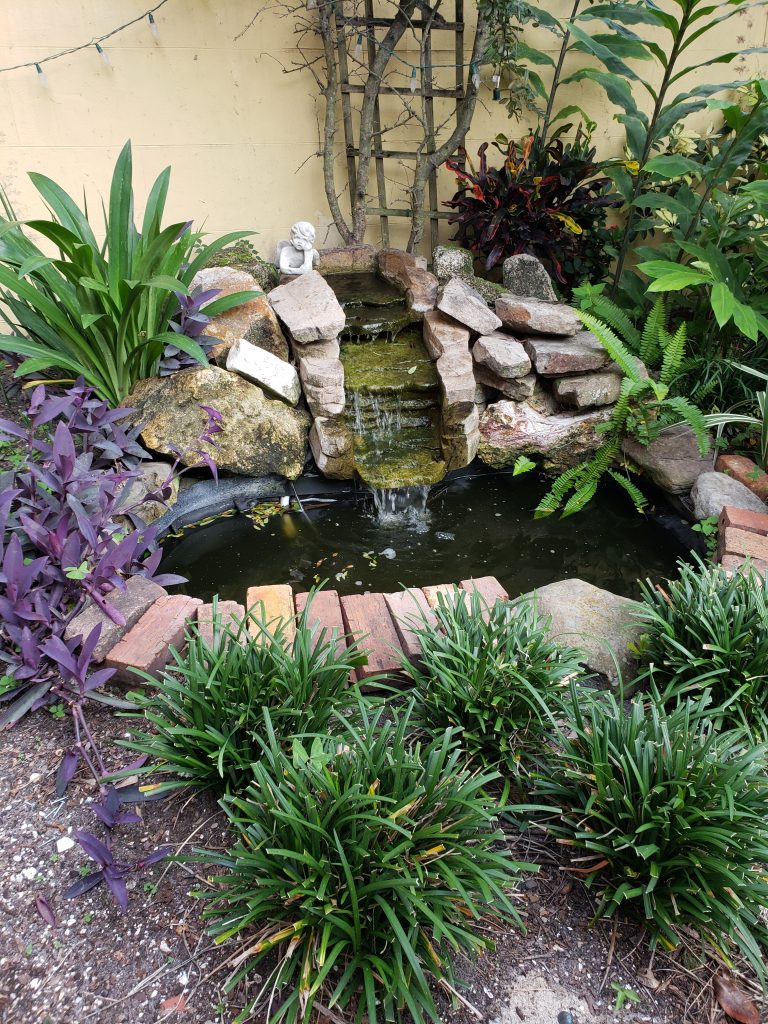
[402,506]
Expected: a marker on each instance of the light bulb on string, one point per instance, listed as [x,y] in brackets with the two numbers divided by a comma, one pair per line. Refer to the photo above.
[496,79]
[103,54]
[41,76]
[413,81]
[153,25]
[475,75]
[359,46]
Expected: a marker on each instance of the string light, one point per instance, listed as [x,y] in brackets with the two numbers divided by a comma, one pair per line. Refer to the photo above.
[153,25]
[41,76]
[103,54]
[413,81]
[359,46]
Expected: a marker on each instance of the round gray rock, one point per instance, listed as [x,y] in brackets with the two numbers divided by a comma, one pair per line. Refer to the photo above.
[711,492]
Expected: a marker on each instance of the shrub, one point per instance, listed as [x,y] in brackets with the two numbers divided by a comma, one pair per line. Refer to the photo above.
[549,202]
[60,545]
[491,673]
[362,861]
[206,716]
[103,313]
[668,816]
[707,630]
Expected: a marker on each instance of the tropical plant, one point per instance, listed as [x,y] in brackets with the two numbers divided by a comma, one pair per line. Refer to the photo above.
[667,818]
[363,860]
[490,673]
[758,423]
[204,715]
[101,312]
[60,544]
[550,203]
[706,632]
[644,406]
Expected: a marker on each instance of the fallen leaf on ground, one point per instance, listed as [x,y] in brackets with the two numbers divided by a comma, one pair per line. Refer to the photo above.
[734,1000]
[176,1004]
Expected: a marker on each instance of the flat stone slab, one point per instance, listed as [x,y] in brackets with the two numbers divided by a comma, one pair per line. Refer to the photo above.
[517,389]
[266,370]
[410,611]
[599,623]
[309,308]
[324,614]
[137,598]
[553,357]
[587,391]
[746,472]
[441,334]
[146,646]
[271,605]
[503,356]
[712,492]
[367,616]
[537,317]
[460,301]
[230,615]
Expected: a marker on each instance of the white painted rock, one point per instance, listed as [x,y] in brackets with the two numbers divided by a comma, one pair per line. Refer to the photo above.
[261,367]
[309,308]
[502,355]
[535,315]
[458,300]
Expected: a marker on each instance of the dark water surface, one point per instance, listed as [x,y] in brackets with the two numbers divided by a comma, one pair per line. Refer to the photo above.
[477,526]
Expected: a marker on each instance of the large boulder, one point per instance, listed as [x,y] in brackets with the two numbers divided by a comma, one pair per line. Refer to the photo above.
[511,429]
[459,300]
[253,320]
[309,308]
[711,492]
[525,275]
[536,316]
[259,435]
[673,460]
[601,624]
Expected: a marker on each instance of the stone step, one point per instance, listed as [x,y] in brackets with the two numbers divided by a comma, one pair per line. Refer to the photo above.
[269,604]
[230,614]
[324,614]
[409,610]
[367,616]
[146,645]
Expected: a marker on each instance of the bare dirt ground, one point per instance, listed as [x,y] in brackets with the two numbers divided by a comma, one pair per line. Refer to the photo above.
[98,966]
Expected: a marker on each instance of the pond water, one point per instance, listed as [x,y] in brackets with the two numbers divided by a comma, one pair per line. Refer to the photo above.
[476,525]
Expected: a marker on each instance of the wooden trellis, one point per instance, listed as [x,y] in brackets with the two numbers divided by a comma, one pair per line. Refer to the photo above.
[368,24]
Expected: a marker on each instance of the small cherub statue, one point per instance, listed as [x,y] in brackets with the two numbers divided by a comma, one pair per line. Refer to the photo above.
[298,256]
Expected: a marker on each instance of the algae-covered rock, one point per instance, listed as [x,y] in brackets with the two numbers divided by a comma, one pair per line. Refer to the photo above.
[259,435]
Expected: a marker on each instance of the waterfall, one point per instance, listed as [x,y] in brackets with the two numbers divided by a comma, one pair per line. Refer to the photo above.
[402,506]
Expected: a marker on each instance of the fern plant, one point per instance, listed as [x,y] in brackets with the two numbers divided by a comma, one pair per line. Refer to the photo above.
[644,405]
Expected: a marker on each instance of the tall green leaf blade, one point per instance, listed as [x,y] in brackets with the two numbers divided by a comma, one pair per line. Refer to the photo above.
[64,208]
[120,222]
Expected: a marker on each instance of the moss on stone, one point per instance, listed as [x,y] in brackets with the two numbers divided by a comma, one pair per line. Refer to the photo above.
[376,367]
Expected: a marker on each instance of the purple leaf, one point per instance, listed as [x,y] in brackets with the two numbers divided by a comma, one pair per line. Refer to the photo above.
[84,884]
[154,857]
[66,772]
[45,911]
[116,884]
[94,848]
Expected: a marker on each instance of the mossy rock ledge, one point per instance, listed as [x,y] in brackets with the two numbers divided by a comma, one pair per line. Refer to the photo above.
[259,435]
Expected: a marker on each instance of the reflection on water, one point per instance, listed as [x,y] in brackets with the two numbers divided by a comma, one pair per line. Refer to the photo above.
[475,526]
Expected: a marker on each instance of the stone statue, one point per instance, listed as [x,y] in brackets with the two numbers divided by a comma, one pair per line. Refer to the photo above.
[298,256]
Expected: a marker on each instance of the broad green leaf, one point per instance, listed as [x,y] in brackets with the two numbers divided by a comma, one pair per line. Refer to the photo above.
[723,302]
[673,166]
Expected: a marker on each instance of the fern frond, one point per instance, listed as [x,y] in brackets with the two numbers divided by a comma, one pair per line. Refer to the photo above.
[605,309]
[694,417]
[580,497]
[650,348]
[674,354]
[637,496]
[613,345]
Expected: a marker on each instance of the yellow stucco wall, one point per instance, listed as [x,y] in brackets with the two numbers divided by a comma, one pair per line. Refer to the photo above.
[213,101]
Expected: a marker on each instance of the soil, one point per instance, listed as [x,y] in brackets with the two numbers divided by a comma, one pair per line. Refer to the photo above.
[98,966]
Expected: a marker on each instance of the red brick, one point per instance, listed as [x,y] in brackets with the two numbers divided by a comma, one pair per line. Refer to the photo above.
[746,472]
[230,613]
[269,604]
[367,616]
[743,519]
[735,563]
[743,543]
[147,644]
[139,595]
[324,614]
[410,610]
[488,587]
[448,591]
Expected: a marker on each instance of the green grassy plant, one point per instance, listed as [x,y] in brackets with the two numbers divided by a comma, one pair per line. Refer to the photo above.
[362,860]
[490,672]
[708,631]
[101,312]
[204,715]
[671,816]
